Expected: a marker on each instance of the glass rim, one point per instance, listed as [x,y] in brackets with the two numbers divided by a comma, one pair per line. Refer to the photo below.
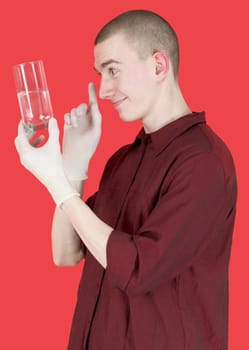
[40,61]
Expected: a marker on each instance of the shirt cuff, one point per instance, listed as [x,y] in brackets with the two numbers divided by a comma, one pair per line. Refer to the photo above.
[121,259]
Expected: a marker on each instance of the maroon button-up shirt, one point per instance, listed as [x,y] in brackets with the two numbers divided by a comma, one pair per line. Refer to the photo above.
[171,198]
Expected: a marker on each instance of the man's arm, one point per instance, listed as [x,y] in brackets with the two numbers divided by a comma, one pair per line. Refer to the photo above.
[92,230]
[67,246]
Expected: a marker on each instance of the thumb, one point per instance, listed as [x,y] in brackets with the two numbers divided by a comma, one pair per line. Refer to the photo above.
[53,129]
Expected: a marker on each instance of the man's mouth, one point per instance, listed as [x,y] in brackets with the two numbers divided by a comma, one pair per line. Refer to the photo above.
[118,102]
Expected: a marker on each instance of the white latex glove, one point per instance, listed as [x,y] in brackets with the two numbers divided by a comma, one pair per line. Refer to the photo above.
[82,131]
[46,162]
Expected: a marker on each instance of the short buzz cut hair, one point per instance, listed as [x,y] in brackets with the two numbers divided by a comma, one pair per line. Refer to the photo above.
[147,32]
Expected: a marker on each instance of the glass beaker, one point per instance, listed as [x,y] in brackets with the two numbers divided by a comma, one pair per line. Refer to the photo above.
[33,97]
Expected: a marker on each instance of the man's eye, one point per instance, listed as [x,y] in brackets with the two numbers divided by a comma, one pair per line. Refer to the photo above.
[113,71]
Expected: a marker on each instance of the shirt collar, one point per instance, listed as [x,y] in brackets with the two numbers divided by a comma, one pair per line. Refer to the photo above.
[162,137]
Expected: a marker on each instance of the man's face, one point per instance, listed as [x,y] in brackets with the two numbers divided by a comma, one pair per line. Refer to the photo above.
[126,80]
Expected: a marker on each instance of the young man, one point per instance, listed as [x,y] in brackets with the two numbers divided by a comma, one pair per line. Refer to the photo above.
[157,235]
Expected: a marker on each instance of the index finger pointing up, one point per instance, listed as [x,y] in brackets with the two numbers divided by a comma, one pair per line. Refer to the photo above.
[92,94]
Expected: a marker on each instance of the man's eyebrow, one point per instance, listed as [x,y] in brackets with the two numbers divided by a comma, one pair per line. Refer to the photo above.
[106,63]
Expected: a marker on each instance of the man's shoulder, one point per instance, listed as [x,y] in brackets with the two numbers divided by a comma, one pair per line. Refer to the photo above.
[202,139]
[216,145]
[201,143]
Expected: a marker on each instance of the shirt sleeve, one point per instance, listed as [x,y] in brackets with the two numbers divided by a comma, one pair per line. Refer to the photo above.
[188,215]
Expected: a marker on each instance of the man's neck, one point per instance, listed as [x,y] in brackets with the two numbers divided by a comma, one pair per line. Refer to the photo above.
[170,106]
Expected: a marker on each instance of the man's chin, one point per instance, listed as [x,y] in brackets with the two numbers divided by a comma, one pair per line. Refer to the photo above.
[126,118]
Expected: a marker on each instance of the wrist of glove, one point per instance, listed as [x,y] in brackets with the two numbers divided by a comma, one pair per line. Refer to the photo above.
[46,163]
[61,190]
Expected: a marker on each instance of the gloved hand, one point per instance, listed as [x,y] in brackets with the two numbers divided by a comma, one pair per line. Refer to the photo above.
[46,162]
[82,131]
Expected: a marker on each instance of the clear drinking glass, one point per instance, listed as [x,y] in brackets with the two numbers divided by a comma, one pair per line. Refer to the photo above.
[33,97]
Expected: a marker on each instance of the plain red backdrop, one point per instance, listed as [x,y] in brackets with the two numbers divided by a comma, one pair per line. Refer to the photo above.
[37,298]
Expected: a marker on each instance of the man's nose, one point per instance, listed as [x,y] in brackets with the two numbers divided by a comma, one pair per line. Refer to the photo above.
[106,89]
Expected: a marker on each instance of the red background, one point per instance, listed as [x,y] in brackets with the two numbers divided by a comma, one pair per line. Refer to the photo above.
[37,299]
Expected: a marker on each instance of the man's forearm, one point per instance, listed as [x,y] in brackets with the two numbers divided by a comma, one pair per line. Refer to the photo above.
[92,231]
[67,246]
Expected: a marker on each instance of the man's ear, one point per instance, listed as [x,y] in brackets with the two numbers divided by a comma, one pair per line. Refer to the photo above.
[161,64]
